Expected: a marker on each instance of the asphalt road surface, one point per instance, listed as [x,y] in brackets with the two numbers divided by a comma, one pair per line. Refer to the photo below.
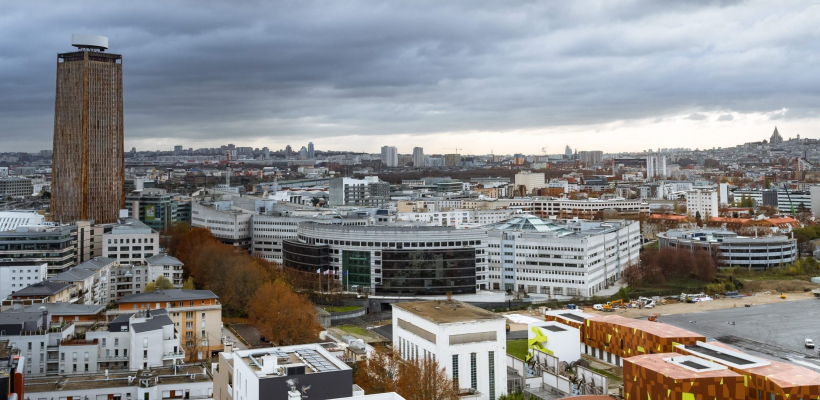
[775,331]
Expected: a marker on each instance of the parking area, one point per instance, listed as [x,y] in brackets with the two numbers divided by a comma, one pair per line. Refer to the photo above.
[775,331]
[250,334]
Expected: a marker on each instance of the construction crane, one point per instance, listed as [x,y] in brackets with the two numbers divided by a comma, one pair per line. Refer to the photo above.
[455,148]
[786,188]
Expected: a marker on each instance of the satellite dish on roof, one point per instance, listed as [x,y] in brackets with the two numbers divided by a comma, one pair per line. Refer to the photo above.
[94,42]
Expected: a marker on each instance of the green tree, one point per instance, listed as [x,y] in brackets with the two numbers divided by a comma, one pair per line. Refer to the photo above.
[188,284]
[150,287]
[163,283]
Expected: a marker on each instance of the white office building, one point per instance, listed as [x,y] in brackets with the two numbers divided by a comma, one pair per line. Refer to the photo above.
[231,225]
[560,258]
[15,275]
[467,341]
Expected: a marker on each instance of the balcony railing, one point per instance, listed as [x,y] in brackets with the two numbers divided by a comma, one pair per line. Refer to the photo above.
[173,356]
[112,358]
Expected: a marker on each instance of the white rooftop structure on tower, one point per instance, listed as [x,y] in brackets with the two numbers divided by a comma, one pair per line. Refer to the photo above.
[82,41]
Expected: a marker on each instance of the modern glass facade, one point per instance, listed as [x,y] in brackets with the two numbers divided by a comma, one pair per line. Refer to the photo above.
[305,257]
[428,272]
[355,268]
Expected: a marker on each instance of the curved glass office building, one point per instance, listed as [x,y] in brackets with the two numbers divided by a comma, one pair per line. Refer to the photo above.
[392,260]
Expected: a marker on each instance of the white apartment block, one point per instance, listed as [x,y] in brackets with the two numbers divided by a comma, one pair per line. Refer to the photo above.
[656,166]
[15,275]
[390,156]
[130,241]
[530,180]
[467,341]
[703,202]
[418,157]
[231,225]
[560,258]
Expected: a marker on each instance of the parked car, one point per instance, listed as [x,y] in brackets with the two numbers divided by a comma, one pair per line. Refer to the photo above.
[809,344]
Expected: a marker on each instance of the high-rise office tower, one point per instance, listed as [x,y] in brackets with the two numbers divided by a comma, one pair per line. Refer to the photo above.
[88,165]
[418,157]
[311,154]
[288,151]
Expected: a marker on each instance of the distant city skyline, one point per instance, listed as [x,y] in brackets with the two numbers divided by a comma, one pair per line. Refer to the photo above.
[506,78]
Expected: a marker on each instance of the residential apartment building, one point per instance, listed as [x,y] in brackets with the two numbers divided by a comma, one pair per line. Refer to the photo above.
[367,192]
[197,316]
[390,156]
[44,292]
[566,258]
[703,203]
[130,241]
[530,180]
[15,275]
[15,187]
[418,157]
[590,157]
[468,342]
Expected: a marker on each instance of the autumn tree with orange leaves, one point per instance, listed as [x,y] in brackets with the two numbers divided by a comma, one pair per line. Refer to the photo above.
[422,379]
[284,317]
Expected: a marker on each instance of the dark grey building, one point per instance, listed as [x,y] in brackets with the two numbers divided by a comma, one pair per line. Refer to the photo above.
[53,245]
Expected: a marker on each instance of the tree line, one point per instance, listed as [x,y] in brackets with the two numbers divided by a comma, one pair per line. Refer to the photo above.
[656,266]
[247,286]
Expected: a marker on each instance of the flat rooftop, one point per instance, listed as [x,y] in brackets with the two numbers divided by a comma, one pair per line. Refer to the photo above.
[447,312]
[677,366]
[181,374]
[654,328]
[314,357]
[783,374]
[718,355]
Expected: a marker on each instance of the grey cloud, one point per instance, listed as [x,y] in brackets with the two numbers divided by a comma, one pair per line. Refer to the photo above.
[726,117]
[697,117]
[207,71]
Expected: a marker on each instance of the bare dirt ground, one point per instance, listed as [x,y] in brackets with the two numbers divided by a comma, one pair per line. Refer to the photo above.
[718,304]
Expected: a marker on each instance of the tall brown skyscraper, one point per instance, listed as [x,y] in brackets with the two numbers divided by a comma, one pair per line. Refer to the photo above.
[88,171]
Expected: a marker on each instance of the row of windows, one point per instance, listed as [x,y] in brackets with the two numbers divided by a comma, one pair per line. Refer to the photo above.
[129,241]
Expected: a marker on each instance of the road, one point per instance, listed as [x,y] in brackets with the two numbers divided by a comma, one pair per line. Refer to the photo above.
[775,331]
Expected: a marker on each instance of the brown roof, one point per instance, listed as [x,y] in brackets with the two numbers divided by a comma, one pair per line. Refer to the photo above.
[670,217]
[654,328]
[783,374]
[655,362]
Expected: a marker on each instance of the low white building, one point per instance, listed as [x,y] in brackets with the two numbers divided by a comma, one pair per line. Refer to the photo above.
[467,341]
[15,275]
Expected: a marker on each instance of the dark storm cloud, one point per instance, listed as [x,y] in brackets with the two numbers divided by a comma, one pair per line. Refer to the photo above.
[219,71]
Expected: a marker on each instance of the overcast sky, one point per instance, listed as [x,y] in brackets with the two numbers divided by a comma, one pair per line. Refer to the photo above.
[502,76]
